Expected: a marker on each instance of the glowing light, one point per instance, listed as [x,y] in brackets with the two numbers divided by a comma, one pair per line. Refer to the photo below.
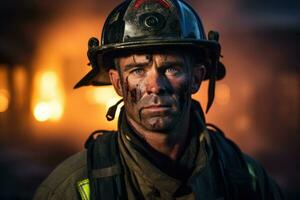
[49,84]
[4,100]
[105,96]
[49,104]
[102,95]
[4,94]
[222,94]
[45,111]
[42,112]
[56,110]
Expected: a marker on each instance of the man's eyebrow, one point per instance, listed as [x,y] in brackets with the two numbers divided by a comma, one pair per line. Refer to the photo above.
[144,64]
[134,65]
[169,63]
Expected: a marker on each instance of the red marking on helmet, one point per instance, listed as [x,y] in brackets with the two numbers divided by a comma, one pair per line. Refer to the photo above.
[164,3]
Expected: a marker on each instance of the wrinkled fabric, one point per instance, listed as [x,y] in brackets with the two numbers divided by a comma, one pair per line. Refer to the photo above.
[146,177]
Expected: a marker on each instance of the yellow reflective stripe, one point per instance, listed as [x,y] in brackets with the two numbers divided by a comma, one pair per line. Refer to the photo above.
[84,189]
[251,171]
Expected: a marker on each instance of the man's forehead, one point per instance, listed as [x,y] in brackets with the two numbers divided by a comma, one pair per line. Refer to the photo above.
[149,57]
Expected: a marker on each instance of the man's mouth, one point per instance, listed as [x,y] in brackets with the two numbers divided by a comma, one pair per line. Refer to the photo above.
[157,108]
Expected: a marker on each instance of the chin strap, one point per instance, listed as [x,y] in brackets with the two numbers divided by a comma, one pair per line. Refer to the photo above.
[110,115]
[211,89]
[214,36]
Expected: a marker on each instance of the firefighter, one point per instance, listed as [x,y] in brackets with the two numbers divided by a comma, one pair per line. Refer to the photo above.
[156,54]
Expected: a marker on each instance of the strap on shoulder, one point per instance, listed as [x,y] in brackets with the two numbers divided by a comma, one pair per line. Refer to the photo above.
[104,167]
[237,180]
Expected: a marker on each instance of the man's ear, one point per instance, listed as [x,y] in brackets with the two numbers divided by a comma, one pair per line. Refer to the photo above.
[116,81]
[198,74]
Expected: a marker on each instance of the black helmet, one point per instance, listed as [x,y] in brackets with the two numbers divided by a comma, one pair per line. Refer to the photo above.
[141,24]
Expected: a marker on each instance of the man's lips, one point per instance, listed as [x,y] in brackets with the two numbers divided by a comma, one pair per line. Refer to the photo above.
[156,108]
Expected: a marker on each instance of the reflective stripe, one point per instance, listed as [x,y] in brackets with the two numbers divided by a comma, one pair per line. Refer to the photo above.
[84,189]
[253,175]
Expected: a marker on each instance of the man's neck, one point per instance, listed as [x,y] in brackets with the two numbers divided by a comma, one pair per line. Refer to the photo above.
[170,143]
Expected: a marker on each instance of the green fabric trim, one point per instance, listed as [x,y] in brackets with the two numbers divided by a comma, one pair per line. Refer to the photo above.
[253,175]
[84,189]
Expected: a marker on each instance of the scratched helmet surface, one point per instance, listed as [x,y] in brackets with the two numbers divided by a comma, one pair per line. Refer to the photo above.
[142,24]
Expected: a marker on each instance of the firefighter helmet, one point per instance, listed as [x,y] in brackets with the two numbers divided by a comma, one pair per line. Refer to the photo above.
[141,24]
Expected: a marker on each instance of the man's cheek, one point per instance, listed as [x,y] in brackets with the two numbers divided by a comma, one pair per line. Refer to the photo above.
[183,93]
[125,89]
[133,92]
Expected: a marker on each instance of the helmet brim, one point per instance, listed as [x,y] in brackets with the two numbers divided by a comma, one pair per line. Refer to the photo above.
[98,76]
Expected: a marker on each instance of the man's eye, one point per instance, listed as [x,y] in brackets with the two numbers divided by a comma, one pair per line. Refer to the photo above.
[172,70]
[137,72]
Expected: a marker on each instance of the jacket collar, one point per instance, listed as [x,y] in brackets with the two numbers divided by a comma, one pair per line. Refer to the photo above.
[134,151]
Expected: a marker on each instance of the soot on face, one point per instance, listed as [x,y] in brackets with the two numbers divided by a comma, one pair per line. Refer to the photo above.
[184,95]
[132,94]
[175,92]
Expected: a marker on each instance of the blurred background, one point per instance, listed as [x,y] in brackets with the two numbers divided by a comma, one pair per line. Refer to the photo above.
[43,120]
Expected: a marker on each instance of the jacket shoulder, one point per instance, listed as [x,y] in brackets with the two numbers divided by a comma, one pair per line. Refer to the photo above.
[268,187]
[62,182]
[233,159]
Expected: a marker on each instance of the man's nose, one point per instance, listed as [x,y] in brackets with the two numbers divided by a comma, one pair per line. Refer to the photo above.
[156,83]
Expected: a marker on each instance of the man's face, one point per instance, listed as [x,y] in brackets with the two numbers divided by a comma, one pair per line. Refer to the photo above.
[156,88]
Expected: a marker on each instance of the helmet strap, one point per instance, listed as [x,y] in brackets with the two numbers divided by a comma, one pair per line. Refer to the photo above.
[110,115]
[212,86]
[213,36]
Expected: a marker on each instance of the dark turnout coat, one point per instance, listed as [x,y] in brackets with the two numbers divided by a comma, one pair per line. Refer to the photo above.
[217,170]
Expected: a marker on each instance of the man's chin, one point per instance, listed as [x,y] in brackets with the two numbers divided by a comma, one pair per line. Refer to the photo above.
[159,124]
